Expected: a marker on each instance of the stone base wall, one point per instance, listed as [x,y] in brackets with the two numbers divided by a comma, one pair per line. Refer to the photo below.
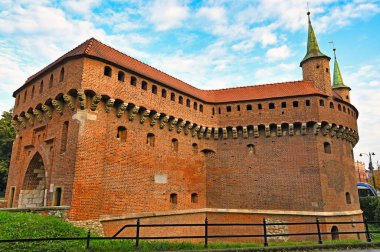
[91,225]
[31,198]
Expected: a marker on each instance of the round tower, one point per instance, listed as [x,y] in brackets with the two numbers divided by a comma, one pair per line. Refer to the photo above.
[315,65]
[338,85]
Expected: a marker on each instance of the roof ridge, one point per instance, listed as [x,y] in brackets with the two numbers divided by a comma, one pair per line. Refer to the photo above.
[257,85]
[97,41]
[90,42]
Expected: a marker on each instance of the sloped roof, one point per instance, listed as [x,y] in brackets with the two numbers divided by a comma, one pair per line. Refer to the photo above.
[96,49]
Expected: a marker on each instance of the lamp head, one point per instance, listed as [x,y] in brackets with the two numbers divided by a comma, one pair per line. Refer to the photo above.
[373,153]
[360,155]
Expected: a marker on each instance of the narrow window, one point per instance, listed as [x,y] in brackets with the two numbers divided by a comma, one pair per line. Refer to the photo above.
[321,103]
[11,197]
[65,129]
[195,106]
[41,87]
[58,196]
[339,107]
[317,66]
[173,198]
[271,105]
[295,104]
[163,93]
[62,74]
[187,103]
[172,97]
[334,233]
[154,89]
[18,100]
[238,107]
[201,108]
[194,198]
[195,148]
[107,71]
[174,144]
[219,111]
[213,111]
[228,108]
[259,106]
[251,149]
[249,107]
[348,111]
[331,105]
[121,134]
[25,94]
[348,198]
[51,81]
[144,85]
[32,92]
[347,97]
[327,70]
[120,76]
[327,147]
[307,103]
[133,81]
[180,100]
[344,109]
[150,139]
[283,104]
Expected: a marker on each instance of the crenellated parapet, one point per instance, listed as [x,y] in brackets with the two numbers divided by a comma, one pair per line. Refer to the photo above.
[123,109]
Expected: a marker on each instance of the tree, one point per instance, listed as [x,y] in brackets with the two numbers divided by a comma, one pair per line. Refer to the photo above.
[7,135]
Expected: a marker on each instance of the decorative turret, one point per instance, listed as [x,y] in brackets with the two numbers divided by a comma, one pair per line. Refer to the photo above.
[315,64]
[338,85]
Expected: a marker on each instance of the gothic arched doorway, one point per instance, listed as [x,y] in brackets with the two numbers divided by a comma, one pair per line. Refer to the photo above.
[32,193]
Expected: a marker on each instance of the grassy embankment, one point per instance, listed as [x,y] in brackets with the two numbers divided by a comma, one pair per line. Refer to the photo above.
[28,225]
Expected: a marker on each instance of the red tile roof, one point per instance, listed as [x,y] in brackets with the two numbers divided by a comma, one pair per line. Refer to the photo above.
[96,49]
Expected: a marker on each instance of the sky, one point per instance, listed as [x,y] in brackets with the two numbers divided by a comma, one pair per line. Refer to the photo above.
[208,44]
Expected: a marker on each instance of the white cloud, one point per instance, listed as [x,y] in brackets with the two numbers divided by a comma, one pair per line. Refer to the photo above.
[278,53]
[216,14]
[82,7]
[278,73]
[263,35]
[167,14]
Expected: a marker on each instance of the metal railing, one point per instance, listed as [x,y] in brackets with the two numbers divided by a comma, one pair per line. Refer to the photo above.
[206,236]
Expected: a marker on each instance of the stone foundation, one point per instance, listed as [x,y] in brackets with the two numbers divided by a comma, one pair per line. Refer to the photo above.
[92,225]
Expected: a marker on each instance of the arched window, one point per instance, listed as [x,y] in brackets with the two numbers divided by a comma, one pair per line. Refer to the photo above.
[238,107]
[327,147]
[144,85]
[219,111]
[334,233]
[229,109]
[172,97]
[195,148]
[283,104]
[249,107]
[200,107]
[32,92]
[174,144]
[121,134]
[307,103]
[331,105]
[259,106]
[150,139]
[41,87]
[120,76]
[213,111]
[339,107]
[180,100]
[133,81]
[194,198]
[58,196]
[154,89]
[271,106]
[321,103]
[251,149]
[163,93]
[195,106]
[51,80]
[107,71]
[173,198]
[348,198]
[344,109]
[187,103]
[295,104]
[62,74]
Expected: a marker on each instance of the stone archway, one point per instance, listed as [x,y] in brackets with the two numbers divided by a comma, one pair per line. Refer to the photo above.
[32,193]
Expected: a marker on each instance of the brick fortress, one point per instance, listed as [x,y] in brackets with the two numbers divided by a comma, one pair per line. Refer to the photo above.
[115,139]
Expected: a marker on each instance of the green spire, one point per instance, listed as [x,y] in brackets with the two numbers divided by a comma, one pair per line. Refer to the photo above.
[312,44]
[337,79]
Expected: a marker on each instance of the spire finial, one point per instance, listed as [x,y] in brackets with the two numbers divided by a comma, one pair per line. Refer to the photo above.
[308,11]
[337,78]
[334,49]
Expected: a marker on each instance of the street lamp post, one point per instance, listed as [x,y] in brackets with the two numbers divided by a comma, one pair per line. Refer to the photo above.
[370,167]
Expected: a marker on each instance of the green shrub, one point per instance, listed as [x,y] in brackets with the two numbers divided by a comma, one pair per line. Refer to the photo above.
[371,208]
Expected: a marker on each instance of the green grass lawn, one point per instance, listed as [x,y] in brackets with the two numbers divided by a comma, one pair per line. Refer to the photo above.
[29,225]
